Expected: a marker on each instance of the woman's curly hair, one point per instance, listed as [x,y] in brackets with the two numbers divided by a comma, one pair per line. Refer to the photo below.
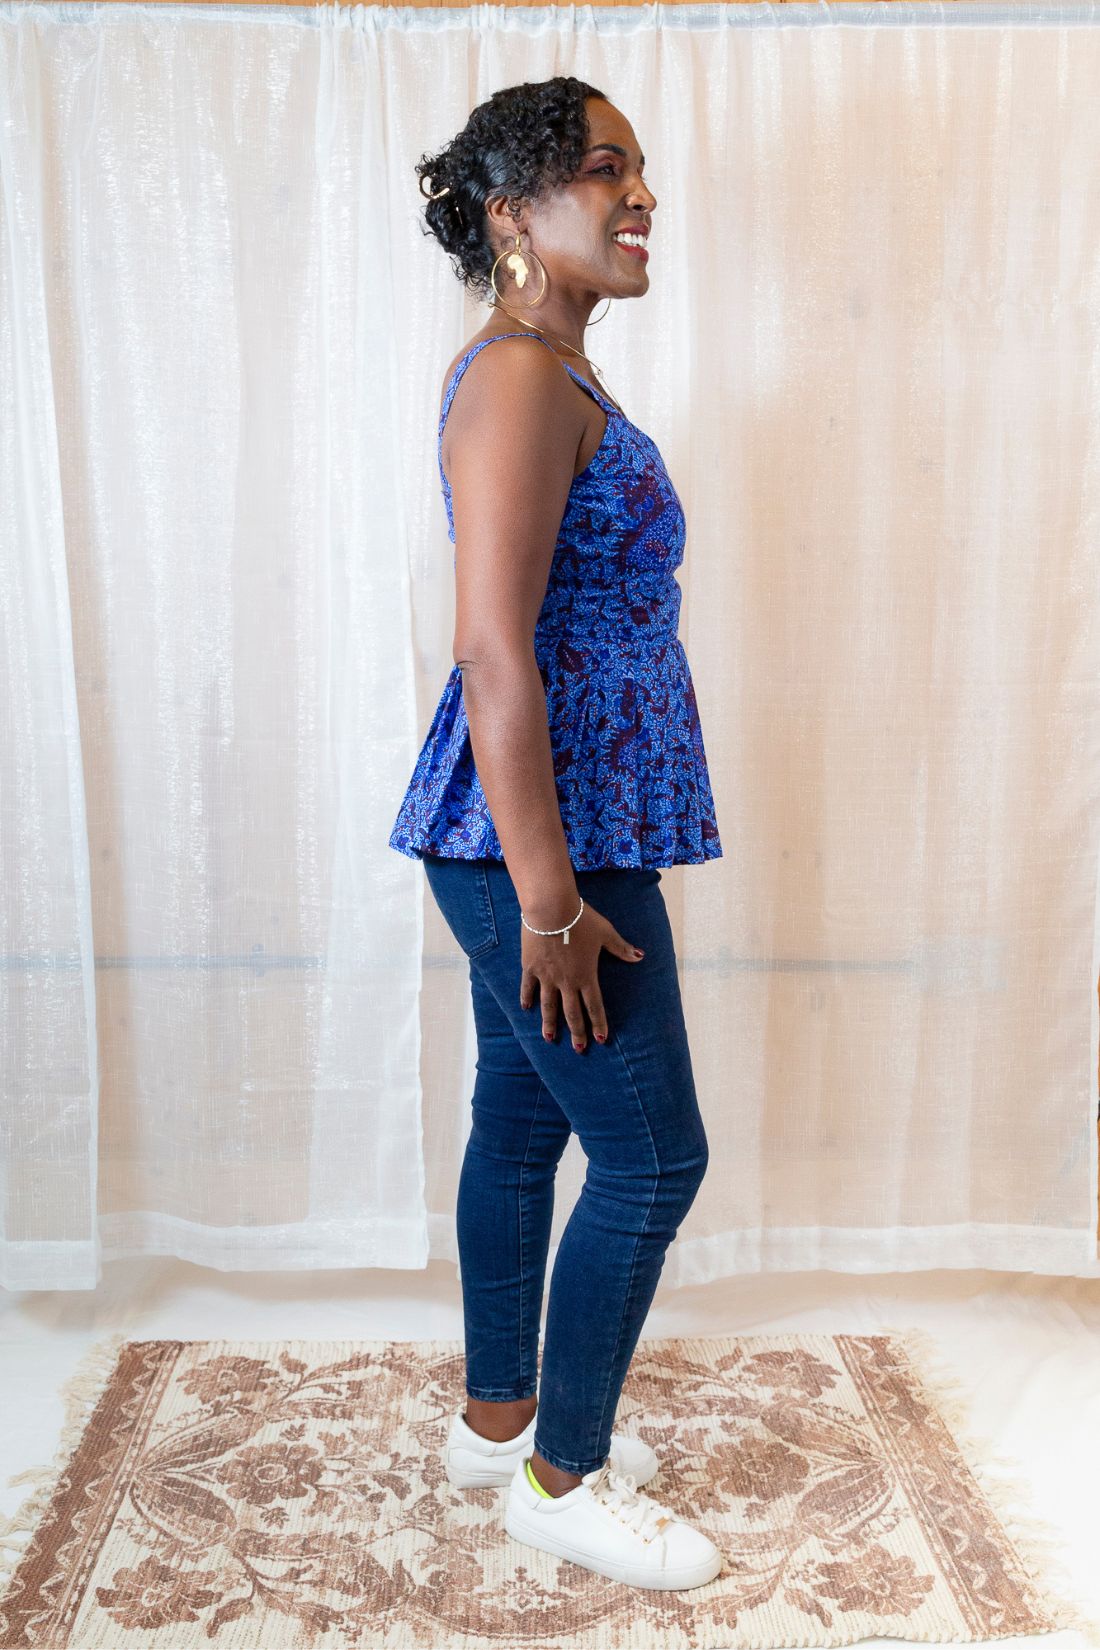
[522,142]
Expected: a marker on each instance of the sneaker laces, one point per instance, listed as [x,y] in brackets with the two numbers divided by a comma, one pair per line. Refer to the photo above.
[618,1491]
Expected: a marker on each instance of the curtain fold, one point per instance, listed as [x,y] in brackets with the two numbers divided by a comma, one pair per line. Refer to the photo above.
[235,1029]
[49,1116]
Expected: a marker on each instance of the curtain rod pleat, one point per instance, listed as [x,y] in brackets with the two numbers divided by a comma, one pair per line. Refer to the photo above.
[881,12]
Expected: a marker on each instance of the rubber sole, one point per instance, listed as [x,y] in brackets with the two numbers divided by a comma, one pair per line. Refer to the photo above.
[694,1575]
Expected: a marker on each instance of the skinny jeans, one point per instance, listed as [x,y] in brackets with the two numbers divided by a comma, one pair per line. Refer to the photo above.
[632,1104]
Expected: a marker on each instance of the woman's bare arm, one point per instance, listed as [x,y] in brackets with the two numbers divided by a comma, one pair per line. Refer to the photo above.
[514,429]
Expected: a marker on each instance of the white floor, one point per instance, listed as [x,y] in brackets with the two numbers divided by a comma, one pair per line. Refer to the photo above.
[1026,1347]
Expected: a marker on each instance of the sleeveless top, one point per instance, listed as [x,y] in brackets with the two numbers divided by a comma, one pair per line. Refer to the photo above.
[629,765]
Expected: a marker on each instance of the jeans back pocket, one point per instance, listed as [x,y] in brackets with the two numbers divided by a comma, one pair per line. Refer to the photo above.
[460,887]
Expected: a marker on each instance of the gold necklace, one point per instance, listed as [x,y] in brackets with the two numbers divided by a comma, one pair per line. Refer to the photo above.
[568,346]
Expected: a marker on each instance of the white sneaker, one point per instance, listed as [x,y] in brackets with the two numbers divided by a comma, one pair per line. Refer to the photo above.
[605,1524]
[472,1462]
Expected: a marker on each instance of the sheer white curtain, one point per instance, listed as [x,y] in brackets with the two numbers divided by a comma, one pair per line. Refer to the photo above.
[234,1028]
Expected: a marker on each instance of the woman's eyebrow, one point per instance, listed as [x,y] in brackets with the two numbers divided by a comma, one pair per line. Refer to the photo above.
[616,149]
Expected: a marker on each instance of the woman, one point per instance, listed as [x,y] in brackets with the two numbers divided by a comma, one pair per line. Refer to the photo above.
[564,764]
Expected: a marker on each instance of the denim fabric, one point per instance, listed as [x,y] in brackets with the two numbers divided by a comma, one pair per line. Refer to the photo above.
[633,1106]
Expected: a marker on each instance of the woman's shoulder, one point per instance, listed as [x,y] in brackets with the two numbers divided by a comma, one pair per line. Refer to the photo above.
[491,329]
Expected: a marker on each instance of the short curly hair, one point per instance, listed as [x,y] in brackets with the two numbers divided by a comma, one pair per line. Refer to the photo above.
[521,142]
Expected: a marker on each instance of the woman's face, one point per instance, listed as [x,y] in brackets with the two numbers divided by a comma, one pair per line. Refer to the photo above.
[573,228]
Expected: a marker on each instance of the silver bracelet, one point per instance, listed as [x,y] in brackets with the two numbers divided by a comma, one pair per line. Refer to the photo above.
[564,930]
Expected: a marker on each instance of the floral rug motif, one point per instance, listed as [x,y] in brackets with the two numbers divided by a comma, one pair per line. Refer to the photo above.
[278,1495]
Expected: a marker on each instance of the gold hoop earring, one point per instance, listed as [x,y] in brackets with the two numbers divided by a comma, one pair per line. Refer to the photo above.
[517,262]
[596,323]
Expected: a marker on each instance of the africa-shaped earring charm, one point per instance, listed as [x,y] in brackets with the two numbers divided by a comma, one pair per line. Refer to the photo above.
[517,262]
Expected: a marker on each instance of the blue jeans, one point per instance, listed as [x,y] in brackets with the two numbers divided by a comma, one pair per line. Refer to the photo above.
[633,1105]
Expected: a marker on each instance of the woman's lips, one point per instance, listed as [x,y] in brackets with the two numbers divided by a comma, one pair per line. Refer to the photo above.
[635,251]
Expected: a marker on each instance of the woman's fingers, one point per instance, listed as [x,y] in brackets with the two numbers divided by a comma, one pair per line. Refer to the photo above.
[574,1016]
[574,1003]
[593,1001]
[549,1015]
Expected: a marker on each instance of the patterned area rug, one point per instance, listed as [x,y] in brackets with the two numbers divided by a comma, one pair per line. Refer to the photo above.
[286,1494]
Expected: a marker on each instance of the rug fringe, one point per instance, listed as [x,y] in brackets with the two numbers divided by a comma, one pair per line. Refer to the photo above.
[1002,1480]
[80,1394]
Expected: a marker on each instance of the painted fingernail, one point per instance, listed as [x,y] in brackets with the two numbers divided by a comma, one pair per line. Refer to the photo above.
[598,1038]
[579,1047]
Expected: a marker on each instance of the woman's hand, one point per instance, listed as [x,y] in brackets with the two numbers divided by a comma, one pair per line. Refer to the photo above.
[552,968]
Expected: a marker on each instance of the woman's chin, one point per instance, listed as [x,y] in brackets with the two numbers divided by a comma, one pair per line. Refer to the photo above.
[631,288]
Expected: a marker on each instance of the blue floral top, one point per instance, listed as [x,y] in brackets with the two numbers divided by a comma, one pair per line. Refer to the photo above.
[629,764]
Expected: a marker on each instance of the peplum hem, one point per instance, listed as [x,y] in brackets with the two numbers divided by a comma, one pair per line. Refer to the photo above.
[629,767]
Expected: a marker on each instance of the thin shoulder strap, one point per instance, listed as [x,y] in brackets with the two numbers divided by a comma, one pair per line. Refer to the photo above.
[456,376]
[607,406]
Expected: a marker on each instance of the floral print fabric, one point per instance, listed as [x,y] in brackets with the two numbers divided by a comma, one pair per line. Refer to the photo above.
[629,764]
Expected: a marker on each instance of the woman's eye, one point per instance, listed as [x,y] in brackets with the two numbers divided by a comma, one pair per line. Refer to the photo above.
[609,167]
